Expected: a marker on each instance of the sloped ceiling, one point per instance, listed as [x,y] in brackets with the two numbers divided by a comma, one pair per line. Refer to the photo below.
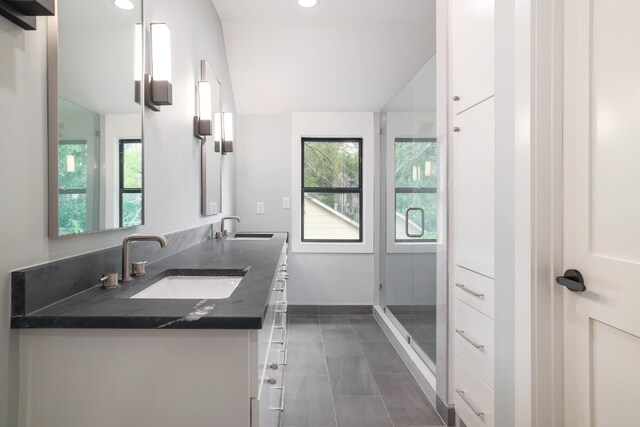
[342,55]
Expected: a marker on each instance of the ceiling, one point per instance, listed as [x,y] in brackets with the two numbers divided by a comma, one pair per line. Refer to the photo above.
[342,55]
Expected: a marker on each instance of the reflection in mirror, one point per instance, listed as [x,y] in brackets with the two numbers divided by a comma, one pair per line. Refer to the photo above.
[211,183]
[95,129]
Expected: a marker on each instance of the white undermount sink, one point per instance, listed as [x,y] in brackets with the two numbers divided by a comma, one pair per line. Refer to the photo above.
[191,287]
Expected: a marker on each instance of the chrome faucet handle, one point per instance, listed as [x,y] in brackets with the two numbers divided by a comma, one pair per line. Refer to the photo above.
[109,281]
[138,268]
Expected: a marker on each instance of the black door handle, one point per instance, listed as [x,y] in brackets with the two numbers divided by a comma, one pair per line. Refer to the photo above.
[573,280]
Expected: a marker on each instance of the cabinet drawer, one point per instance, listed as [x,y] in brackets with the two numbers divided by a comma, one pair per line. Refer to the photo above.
[473,341]
[473,399]
[474,189]
[474,289]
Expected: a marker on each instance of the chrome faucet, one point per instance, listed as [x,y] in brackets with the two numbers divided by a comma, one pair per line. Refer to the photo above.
[126,250]
[223,233]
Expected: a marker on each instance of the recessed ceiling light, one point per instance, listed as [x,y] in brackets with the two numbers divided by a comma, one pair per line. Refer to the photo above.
[123,4]
[307,3]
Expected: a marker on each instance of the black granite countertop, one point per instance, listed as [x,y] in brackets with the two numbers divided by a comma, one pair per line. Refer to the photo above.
[113,308]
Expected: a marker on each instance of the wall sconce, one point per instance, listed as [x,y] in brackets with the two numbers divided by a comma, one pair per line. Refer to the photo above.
[228,133]
[217,131]
[137,62]
[158,84]
[202,122]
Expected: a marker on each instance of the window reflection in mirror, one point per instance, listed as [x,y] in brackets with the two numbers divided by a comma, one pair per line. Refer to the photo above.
[99,137]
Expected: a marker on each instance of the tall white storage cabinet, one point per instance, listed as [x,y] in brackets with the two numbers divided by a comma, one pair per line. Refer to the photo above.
[473,221]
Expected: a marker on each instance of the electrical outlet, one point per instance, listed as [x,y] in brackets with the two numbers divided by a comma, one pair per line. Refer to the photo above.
[286,202]
[260,207]
[213,208]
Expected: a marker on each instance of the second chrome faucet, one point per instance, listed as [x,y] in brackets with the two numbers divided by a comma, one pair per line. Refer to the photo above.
[223,233]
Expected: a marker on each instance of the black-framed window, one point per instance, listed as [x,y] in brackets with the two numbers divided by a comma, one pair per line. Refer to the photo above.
[332,190]
[72,186]
[130,183]
[416,189]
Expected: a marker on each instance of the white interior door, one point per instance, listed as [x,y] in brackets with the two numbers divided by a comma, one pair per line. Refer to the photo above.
[602,212]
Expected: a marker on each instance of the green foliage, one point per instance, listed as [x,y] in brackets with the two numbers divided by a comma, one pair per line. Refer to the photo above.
[334,164]
[416,167]
[72,175]
[132,179]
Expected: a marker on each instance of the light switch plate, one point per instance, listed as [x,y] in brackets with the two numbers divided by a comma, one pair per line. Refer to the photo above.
[286,202]
[213,208]
[260,207]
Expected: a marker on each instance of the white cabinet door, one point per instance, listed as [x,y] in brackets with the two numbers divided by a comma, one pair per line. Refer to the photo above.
[601,211]
[472,52]
[473,189]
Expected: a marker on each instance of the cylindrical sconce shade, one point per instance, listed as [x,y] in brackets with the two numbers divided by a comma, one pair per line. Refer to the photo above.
[204,100]
[161,52]
[137,53]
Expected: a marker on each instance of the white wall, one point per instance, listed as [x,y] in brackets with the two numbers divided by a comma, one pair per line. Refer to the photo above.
[171,156]
[264,174]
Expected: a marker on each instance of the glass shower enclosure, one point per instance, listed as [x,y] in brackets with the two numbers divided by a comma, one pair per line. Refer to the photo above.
[414,234]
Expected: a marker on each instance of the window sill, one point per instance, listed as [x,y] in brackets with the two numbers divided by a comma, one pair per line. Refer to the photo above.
[332,247]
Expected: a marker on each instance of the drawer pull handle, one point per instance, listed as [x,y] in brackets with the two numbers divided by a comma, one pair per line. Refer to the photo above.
[473,343]
[474,293]
[279,289]
[283,338]
[475,411]
[284,321]
[281,407]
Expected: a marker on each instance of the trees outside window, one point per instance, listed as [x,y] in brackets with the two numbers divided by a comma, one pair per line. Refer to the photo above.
[332,190]
[130,182]
[416,189]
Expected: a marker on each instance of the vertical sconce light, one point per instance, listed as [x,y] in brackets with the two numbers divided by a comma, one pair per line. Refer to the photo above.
[217,131]
[203,121]
[228,133]
[159,89]
[137,62]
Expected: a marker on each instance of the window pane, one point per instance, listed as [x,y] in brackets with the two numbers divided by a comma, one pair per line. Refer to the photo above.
[331,216]
[72,166]
[416,164]
[331,164]
[72,211]
[132,165]
[428,202]
[131,209]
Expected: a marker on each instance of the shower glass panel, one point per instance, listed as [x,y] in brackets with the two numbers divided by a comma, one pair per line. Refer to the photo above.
[414,208]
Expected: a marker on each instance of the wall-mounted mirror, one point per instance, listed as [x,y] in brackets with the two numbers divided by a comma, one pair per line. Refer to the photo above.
[211,181]
[95,117]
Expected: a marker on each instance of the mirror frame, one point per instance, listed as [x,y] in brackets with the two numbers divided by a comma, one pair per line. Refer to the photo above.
[53,92]
[203,145]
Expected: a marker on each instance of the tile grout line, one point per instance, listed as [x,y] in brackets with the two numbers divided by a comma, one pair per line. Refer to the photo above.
[326,364]
[371,372]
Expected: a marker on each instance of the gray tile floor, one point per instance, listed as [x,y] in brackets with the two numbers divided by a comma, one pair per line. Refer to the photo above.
[343,371]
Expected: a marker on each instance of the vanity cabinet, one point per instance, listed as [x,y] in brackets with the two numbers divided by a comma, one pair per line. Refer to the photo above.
[158,377]
[473,219]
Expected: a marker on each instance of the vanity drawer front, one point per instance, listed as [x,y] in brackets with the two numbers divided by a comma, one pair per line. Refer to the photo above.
[474,289]
[473,340]
[473,398]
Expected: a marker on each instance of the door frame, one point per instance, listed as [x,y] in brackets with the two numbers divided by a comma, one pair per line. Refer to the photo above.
[529,99]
